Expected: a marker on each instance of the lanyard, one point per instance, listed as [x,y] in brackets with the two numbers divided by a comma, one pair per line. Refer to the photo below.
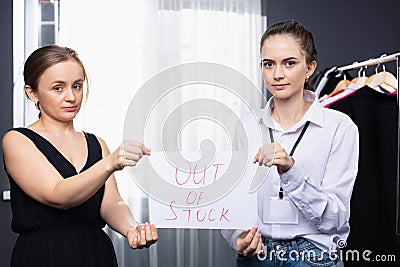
[271,137]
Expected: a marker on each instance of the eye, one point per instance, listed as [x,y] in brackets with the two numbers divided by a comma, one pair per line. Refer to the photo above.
[267,64]
[290,63]
[77,86]
[57,88]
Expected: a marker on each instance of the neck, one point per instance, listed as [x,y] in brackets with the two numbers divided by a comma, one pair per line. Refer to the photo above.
[288,112]
[52,126]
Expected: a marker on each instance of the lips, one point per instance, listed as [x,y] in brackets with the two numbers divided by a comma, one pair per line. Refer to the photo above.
[71,108]
[280,86]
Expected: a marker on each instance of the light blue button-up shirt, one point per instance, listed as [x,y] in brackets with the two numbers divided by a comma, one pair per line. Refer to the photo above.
[321,180]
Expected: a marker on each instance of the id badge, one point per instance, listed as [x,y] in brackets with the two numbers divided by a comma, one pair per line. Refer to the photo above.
[281,211]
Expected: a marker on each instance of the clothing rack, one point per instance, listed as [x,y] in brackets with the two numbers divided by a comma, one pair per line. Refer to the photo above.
[384,58]
[370,62]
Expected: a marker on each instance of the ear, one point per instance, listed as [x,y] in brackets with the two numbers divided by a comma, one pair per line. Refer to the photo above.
[311,68]
[30,93]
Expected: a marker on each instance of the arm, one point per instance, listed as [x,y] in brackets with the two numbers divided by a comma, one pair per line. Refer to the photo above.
[39,179]
[327,205]
[118,216]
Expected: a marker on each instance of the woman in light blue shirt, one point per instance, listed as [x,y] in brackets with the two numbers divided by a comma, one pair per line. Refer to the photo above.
[304,204]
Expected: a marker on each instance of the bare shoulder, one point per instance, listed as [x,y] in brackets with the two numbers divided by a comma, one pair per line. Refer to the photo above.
[15,139]
[17,148]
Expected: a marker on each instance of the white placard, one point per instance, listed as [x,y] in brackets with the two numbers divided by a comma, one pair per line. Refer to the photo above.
[202,196]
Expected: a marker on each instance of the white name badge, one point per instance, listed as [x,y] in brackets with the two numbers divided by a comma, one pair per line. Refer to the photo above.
[281,211]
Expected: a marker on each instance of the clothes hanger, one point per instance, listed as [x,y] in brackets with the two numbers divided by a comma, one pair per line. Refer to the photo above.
[340,86]
[359,81]
[383,80]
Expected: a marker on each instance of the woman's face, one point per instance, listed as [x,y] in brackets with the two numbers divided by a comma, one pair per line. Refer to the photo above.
[284,66]
[60,90]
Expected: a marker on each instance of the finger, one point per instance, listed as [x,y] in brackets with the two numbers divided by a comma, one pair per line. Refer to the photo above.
[131,163]
[265,160]
[133,150]
[142,240]
[257,156]
[264,156]
[132,156]
[154,233]
[144,149]
[267,153]
[130,239]
[261,159]
[138,146]
[134,241]
[130,152]
[246,241]
[252,248]
[149,236]
[148,151]
[260,247]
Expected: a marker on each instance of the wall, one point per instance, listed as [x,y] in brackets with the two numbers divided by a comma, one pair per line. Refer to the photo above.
[7,238]
[344,31]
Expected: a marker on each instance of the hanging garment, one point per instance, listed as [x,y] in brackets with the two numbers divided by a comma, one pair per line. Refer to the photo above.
[373,202]
[325,81]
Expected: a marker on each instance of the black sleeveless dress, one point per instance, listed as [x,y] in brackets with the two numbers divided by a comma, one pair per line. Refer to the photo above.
[53,237]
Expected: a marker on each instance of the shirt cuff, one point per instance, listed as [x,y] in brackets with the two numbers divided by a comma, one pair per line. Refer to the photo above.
[231,235]
[293,178]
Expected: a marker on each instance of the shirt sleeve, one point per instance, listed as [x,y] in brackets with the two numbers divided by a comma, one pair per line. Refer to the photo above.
[327,205]
[231,235]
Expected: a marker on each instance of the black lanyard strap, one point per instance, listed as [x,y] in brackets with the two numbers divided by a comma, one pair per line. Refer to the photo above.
[271,137]
[299,138]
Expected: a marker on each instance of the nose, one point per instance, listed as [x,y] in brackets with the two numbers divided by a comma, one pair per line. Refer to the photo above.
[70,95]
[279,73]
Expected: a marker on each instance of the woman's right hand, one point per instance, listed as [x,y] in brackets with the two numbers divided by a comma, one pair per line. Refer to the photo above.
[128,154]
[249,242]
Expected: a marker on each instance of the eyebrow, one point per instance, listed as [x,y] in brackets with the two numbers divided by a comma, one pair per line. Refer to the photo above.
[286,59]
[63,82]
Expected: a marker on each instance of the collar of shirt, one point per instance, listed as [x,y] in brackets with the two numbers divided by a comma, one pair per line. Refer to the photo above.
[314,114]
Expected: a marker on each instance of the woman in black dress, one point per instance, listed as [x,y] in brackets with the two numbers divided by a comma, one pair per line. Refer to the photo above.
[63,190]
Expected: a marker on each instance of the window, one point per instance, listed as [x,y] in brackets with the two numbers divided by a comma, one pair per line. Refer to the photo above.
[48,29]
[39,27]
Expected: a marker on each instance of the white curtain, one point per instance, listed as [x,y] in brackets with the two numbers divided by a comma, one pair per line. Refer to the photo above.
[124,43]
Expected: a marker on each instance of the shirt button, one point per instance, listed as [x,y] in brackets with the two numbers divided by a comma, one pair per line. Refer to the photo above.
[285,181]
[302,205]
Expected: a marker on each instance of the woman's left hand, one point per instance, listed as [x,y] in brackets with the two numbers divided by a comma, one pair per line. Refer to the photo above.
[274,154]
[142,236]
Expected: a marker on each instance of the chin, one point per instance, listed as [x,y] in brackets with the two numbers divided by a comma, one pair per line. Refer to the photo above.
[282,95]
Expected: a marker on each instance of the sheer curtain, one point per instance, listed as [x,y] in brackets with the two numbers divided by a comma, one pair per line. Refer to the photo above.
[124,43]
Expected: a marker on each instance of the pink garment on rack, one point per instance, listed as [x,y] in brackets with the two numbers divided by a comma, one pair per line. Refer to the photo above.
[345,93]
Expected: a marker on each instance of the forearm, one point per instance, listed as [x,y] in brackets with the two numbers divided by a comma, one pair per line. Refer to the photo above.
[118,216]
[75,190]
[325,210]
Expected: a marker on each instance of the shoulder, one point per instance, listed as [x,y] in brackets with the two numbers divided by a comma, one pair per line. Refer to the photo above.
[337,117]
[15,136]
[340,124]
[17,142]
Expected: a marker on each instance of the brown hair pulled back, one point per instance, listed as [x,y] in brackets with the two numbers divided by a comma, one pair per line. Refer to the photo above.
[299,33]
[45,57]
